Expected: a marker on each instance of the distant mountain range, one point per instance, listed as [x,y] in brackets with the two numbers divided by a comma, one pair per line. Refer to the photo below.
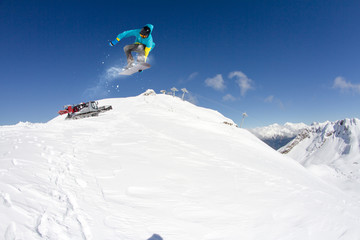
[277,136]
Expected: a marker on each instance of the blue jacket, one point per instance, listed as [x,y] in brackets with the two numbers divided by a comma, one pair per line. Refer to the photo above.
[148,42]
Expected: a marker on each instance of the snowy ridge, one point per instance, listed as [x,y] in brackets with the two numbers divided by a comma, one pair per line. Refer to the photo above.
[330,149]
[157,164]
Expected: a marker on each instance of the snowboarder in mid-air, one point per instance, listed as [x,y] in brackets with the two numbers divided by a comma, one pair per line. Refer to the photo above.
[143,44]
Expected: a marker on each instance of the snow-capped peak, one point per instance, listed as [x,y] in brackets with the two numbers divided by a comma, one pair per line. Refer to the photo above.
[331,150]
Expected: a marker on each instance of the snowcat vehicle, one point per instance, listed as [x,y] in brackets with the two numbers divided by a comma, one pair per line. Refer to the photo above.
[84,110]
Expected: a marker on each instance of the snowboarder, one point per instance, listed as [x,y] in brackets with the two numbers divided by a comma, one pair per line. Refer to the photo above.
[143,44]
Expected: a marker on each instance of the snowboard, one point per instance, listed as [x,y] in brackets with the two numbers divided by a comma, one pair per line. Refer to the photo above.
[139,67]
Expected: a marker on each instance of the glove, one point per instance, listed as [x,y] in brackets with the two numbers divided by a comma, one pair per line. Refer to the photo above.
[112,43]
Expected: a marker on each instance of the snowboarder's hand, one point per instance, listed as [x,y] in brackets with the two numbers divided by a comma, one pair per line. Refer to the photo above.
[111,44]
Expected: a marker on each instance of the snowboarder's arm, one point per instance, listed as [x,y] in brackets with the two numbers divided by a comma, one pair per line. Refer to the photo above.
[148,48]
[124,35]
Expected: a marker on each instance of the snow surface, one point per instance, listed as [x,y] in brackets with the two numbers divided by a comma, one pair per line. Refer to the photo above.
[157,164]
[331,150]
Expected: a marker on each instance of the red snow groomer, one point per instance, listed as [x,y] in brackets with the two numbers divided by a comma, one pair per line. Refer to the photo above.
[83,110]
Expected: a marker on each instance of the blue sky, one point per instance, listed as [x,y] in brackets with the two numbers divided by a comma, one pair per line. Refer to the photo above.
[279,61]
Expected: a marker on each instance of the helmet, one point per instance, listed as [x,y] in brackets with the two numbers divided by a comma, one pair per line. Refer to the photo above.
[145,32]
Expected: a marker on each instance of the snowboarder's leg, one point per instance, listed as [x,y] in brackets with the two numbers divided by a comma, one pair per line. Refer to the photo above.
[138,48]
[141,53]
[128,49]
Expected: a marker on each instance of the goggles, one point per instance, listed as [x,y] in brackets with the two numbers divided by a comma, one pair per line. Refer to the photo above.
[143,36]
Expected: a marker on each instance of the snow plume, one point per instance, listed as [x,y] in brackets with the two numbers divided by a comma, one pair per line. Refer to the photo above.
[343,85]
[243,81]
[113,73]
[216,82]
[101,89]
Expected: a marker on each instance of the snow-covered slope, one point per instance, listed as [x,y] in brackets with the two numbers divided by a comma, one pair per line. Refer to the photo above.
[156,164]
[276,135]
[331,150]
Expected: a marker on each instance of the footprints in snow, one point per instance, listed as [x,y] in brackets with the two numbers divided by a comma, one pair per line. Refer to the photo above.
[10,232]
[6,200]
[62,176]
[29,158]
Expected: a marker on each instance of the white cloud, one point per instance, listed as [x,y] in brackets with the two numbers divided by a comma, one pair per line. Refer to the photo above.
[192,98]
[343,85]
[216,82]
[229,97]
[269,99]
[243,81]
[280,104]
[273,99]
[192,76]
